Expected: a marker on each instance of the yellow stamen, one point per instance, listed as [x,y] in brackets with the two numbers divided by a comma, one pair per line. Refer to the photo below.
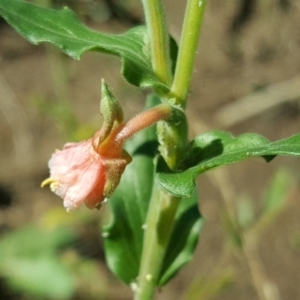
[48,181]
[54,186]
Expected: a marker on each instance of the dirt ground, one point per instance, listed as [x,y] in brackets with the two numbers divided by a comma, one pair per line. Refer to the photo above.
[234,61]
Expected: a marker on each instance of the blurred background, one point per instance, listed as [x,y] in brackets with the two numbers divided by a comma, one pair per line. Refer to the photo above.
[246,79]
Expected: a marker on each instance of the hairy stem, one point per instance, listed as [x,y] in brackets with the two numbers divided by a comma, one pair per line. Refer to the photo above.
[158,229]
[144,120]
[187,50]
[163,206]
[159,39]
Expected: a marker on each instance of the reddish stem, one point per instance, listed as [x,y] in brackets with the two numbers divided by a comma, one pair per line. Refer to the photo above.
[142,121]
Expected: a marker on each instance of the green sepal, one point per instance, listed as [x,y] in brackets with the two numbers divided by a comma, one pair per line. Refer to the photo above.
[114,168]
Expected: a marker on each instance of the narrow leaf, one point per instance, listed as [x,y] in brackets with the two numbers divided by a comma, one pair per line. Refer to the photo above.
[123,237]
[184,238]
[218,148]
[63,29]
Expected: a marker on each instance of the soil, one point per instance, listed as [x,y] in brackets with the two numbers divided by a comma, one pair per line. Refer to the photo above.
[235,58]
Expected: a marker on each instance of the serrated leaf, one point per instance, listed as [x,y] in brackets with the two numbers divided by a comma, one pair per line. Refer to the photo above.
[123,236]
[63,29]
[218,148]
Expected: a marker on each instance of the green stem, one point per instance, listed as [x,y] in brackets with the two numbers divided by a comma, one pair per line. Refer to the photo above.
[159,39]
[163,206]
[187,50]
[158,229]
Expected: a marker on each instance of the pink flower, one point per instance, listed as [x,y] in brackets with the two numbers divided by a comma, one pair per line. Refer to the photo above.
[89,171]
[78,174]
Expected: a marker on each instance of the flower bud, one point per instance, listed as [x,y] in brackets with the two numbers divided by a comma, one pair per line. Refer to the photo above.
[110,111]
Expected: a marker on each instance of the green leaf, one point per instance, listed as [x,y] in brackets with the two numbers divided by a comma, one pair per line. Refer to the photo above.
[218,148]
[184,238]
[63,29]
[123,236]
